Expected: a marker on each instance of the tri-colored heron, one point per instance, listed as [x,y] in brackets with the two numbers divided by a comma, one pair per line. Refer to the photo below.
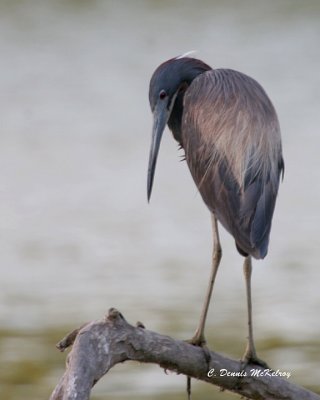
[229,131]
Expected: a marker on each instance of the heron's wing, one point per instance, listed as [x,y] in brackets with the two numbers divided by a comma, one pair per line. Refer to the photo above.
[231,137]
[257,206]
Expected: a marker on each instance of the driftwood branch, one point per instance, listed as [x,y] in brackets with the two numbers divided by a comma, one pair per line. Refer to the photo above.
[99,345]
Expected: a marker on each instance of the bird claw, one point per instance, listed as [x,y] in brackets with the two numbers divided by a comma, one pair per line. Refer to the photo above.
[200,341]
[197,340]
[253,359]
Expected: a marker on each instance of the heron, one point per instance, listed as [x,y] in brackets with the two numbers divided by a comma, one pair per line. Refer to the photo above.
[229,131]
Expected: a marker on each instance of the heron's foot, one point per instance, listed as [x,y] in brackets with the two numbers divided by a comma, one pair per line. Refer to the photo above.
[250,357]
[197,339]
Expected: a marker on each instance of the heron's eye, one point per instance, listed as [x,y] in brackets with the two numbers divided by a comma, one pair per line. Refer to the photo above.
[162,94]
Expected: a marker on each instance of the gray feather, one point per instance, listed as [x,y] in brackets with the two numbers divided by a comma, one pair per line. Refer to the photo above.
[231,138]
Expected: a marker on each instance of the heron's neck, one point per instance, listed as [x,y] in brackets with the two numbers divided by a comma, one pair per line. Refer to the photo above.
[175,119]
[188,70]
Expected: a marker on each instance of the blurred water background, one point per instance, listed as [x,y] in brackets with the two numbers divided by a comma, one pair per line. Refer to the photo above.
[76,233]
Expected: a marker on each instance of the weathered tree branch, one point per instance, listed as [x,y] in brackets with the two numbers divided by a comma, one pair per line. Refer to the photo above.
[101,344]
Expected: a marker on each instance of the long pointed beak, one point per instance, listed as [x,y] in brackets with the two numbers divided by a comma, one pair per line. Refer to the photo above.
[160,119]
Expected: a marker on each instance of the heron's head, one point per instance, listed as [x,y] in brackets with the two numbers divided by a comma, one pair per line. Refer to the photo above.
[169,80]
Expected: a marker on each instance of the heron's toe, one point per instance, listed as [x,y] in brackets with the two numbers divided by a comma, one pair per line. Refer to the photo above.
[200,341]
[197,340]
[253,359]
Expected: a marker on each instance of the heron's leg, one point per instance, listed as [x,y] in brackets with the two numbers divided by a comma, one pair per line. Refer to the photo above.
[198,338]
[250,355]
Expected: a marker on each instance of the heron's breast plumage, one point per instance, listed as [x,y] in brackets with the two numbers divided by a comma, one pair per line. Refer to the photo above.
[231,137]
